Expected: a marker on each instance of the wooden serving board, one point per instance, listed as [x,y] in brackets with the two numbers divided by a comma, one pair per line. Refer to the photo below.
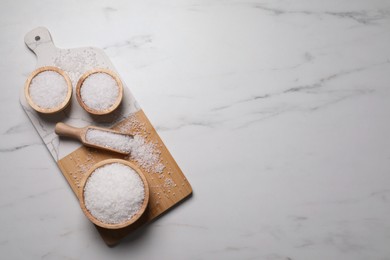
[168,185]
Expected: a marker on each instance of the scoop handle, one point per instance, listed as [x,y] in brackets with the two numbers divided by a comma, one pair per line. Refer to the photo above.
[69,131]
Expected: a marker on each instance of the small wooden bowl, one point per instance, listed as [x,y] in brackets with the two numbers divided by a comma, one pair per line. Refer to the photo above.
[37,108]
[133,218]
[94,111]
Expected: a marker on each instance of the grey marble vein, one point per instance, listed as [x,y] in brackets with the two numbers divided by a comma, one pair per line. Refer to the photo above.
[18,147]
[276,111]
[361,17]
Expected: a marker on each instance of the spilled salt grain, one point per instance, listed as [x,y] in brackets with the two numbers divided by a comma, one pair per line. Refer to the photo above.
[99,91]
[169,182]
[119,142]
[48,89]
[114,193]
[159,168]
[133,125]
[145,154]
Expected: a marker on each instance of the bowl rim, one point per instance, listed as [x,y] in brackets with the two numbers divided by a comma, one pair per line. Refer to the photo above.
[136,216]
[117,101]
[42,110]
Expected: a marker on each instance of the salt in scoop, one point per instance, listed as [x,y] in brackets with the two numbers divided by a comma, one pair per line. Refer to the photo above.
[98,137]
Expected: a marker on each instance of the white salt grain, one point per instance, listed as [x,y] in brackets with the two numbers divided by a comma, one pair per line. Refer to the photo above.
[119,142]
[159,168]
[48,89]
[144,153]
[99,91]
[114,193]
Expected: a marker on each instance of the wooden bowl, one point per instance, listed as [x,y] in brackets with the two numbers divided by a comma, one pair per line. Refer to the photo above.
[136,216]
[37,108]
[94,111]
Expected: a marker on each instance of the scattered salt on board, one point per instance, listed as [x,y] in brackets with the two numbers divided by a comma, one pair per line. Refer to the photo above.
[145,154]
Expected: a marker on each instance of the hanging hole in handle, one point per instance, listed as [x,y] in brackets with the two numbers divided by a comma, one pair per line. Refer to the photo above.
[37,38]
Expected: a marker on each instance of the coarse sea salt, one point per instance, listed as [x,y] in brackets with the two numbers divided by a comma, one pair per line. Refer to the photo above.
[119,142]
[99,91]
[144,153]
[48,89]
[114,193]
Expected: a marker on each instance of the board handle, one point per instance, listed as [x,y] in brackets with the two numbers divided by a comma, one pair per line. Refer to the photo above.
[39,39]
[69,131]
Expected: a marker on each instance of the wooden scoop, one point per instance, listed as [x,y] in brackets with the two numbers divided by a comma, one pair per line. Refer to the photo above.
[81,135]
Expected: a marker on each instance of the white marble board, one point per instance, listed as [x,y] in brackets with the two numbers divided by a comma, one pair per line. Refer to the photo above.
[74,62]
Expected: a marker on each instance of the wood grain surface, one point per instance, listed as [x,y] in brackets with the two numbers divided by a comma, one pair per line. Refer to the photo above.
[166,188]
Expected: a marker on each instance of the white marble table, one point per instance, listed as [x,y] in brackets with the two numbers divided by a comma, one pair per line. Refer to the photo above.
[278,112]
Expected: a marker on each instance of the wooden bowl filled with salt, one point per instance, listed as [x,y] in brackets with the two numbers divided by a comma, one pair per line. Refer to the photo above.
[99,91]
[114,194]
[48,90]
